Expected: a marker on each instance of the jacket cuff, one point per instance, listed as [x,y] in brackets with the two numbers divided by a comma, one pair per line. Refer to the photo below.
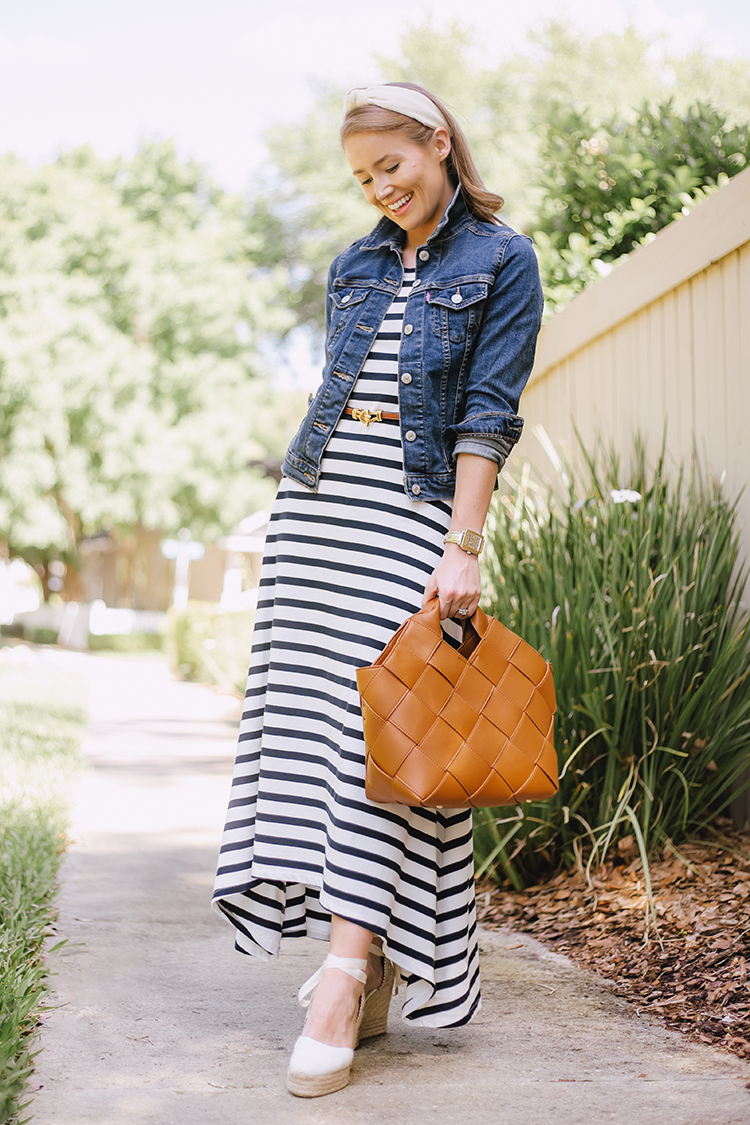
[488,425]
[493,448]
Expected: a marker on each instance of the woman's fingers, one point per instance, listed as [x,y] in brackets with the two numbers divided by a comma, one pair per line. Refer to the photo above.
[459,606]
[430,589]
[457,598]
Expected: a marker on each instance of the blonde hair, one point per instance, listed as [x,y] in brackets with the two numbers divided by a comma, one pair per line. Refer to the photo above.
[459,164]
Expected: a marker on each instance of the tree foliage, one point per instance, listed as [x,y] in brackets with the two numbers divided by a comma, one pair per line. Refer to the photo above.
[131,388]
[610,187]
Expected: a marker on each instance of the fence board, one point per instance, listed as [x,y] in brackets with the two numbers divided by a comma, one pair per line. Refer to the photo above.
[736,431]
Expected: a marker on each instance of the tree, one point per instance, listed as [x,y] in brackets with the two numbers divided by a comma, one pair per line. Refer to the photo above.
[131,385]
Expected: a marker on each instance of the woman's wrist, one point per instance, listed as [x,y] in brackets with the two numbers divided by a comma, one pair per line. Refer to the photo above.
[452,550]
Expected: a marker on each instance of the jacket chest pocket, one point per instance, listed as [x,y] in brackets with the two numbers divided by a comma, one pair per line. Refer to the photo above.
[457,310]
[343,303]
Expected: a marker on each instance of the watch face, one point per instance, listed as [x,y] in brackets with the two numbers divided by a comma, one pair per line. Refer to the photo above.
[472,542]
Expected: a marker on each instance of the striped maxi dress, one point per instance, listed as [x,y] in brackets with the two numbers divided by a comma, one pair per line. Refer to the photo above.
[343,568]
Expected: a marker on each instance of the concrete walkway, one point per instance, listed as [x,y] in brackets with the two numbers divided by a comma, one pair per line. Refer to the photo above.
[160,1021]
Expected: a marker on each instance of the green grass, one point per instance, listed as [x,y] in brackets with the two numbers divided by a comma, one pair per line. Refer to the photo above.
[42,717]
[638,604]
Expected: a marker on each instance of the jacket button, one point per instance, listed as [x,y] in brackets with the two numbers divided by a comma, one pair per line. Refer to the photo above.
[410,435]
[456,298]
[345,300]
[424,255]
[408,329]
[405,378]
[416,489]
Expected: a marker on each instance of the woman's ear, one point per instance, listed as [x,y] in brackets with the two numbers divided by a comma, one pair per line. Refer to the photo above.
[442,142]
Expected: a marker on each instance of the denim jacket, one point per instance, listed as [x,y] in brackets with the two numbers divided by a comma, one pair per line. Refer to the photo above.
[467,349]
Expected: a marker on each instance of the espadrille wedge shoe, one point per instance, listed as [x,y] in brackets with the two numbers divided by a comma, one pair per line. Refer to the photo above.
[319,1068]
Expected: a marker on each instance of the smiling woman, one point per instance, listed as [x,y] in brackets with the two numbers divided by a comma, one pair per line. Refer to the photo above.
[431,324]
[404,180]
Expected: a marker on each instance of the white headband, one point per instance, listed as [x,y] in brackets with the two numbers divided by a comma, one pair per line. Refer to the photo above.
[399,99]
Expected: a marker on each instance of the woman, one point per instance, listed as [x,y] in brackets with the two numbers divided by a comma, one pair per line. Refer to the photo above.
[431,324]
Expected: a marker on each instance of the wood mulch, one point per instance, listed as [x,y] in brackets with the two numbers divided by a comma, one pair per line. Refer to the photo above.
[693,970]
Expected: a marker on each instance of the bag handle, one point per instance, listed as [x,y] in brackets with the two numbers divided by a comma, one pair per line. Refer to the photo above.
[431,614]
[477,622]
[474,628]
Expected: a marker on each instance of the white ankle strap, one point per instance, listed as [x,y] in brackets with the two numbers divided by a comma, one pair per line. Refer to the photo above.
[351,965]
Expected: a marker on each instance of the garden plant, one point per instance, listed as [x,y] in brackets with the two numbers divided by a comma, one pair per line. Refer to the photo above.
[211,646]
[42,715]
[635,595]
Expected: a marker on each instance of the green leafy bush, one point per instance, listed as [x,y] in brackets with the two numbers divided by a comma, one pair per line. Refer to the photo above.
[204,643]
[41,722]
[43,636]
[126,642]
[610,186]
[635,596]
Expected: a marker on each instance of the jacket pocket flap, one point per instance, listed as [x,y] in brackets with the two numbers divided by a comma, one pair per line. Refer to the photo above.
[345,298]
[458,297]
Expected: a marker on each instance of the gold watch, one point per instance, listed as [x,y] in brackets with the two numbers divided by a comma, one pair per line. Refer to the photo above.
[470,541]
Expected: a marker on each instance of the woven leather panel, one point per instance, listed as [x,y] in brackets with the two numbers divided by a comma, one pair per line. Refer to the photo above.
[450,728]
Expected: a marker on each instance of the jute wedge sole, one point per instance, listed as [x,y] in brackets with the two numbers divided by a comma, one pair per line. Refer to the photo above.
[317,1086]
[377,1003]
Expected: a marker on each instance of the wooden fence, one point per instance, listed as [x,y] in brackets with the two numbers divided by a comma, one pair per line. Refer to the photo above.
[665,339]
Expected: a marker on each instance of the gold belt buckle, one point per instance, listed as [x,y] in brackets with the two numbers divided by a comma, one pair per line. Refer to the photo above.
[367,416]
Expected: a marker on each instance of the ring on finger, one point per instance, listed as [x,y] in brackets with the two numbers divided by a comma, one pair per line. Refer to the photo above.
[463,613]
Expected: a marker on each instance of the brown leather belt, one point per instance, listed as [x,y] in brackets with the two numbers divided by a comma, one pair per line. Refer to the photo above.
[370,416]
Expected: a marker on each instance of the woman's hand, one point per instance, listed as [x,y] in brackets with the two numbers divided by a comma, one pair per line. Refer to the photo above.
[456,580]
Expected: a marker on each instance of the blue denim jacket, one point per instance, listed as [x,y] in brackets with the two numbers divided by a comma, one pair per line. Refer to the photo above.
[467,350]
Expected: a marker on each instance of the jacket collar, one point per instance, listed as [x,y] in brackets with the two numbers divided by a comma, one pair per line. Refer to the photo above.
[389,234]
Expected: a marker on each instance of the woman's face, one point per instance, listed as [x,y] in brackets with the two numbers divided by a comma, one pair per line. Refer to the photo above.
[403,180]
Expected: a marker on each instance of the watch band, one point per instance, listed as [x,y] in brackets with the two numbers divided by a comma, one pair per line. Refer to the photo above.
[470,541]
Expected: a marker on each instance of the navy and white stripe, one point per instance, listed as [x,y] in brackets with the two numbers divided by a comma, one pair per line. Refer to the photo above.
[343,568]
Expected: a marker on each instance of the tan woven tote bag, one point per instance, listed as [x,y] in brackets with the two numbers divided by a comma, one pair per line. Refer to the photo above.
[449,728]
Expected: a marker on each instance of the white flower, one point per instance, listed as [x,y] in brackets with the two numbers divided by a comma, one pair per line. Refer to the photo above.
[624,496]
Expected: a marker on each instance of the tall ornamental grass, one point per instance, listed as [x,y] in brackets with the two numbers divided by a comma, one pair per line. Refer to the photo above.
[632,585]
[41,723]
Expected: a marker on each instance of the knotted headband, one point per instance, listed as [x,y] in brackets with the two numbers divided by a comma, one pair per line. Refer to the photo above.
[399,99]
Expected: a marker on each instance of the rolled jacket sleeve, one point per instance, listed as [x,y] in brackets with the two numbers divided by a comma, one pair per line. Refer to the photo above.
[493,448]
[503,356]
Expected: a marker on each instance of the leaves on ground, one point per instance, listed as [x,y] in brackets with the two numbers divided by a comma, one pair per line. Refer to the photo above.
[692,971]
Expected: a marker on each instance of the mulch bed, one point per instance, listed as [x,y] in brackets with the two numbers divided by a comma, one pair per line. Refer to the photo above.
[692,971]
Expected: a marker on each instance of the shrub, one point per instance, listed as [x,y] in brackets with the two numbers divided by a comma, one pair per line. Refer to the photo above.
[43,636]
[41,722]
[610,186]
[126,642]
[635,597]
[207,644]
